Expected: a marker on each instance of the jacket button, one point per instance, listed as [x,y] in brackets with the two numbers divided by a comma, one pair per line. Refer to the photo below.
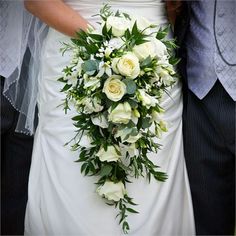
[220,32]
[219,69]
[221,13]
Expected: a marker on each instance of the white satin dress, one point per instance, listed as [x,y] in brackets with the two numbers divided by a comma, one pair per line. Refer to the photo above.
[61,200]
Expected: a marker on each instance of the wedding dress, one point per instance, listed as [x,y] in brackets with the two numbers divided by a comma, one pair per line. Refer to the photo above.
[64,202]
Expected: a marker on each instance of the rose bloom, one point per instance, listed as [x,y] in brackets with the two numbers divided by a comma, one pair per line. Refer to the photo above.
[118,25]
[112,191]
[127,65]
[114,88]
[109,155]
[160,49]
[142,51]
[121,114]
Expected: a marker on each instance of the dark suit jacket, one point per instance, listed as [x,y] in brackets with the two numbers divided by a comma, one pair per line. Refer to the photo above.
[180,31]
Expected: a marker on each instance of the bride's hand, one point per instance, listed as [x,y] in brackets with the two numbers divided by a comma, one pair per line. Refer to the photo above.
[58,15]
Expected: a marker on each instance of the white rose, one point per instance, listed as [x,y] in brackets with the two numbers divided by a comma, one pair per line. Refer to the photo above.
[121,114]
[112,191]
[142,23]
[146,99]
[142,51]
[160,49]
[118,25]
[128,65]
[111,154]
[114,88]
[100,120]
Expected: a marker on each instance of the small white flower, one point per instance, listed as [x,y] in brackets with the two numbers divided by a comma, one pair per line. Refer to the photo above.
[146,99]
[79,66]
[108,52]
[91,82]
[72,79]
[104,68]
[164,75]
[112,191]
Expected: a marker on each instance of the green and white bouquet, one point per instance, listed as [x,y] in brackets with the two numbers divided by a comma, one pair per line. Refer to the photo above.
[115,81]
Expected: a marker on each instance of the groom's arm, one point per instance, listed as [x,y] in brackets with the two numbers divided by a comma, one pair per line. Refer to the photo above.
[57,15]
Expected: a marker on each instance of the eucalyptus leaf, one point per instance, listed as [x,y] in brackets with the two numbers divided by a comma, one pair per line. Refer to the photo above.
[90,66]
[146,62]
[105,170]
[130,86]
[146,122]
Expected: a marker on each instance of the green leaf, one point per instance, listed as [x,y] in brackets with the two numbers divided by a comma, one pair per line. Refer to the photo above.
[83,167]
[76,118]
[127,34]
[147,61]
[105,170]
[130,86]
[97,37]
[162,33]
[135,30]
[146,122]
[126,16]
[174,60]
[131,210]
[62,80]
[66,87]
[132,103]
[104,29]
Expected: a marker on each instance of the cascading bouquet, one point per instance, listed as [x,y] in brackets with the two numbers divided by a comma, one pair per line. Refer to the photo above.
[115,81]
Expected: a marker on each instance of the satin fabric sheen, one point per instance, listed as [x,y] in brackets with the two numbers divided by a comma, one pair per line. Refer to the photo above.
[64,202]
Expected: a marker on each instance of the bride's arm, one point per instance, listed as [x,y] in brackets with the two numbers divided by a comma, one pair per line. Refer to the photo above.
[58,15]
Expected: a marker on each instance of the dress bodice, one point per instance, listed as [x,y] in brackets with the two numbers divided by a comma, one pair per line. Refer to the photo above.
[153,10]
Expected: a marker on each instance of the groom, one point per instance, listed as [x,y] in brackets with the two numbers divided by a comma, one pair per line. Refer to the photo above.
[16,148]
[206,31]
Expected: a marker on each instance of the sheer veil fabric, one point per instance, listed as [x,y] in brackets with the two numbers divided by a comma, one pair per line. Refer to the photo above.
[22,38]
[64,202]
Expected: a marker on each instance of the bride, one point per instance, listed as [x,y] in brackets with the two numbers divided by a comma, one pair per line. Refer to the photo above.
[62,201]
